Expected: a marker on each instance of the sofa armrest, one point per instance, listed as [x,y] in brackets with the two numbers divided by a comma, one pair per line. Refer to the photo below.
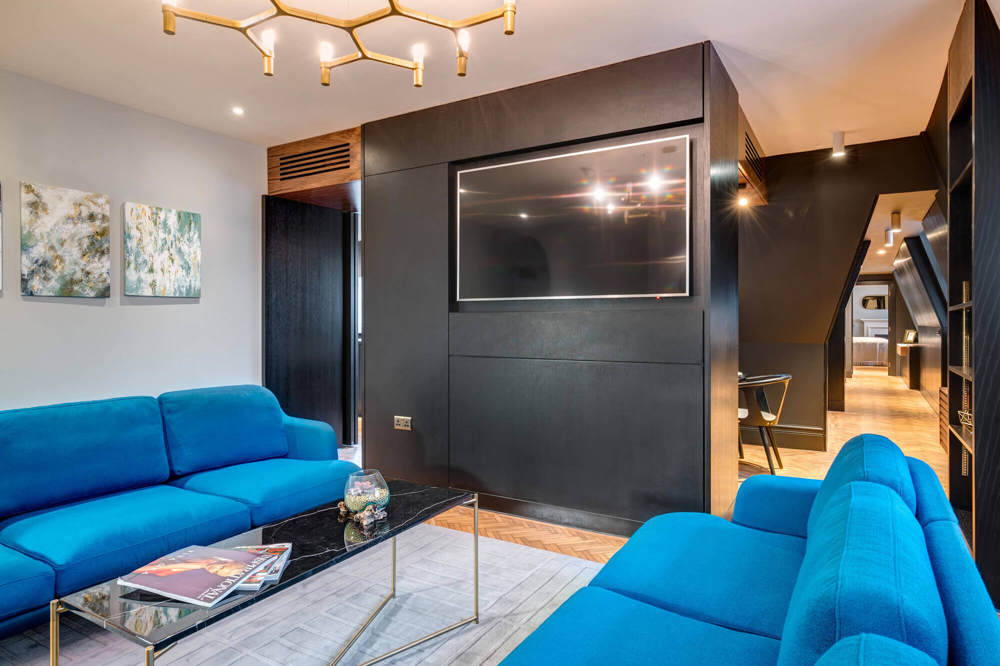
[866,649]
[310,440]
[775,503]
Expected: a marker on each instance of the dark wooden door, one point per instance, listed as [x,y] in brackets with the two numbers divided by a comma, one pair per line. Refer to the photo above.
[304,309]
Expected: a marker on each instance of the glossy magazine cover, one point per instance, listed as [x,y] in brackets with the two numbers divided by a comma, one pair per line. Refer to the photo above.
[281,553]
[197,575]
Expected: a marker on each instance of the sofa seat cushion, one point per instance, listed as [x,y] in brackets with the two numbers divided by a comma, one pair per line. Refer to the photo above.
[866,458]
[224,425]
[866,570]
[277,488]
[26,583]
[597,627]
[98,539]
[709,569]
[58,454]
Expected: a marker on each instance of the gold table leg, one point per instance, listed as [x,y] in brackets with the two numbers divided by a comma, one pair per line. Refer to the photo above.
[55,610]
[474,619]
[150,656]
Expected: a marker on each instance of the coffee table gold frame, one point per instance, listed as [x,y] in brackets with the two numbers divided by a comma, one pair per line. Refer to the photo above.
[57,608]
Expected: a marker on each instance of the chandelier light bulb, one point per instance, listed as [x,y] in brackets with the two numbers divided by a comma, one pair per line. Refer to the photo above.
[464,40]
[419,51]
[267,39]
[325,51]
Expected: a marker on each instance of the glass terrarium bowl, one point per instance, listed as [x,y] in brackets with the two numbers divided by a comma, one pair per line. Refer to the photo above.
[365,488]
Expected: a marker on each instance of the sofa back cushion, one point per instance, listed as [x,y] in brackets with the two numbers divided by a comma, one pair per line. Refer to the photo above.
[62,453]
[866,570]
[226,425]
[865,458]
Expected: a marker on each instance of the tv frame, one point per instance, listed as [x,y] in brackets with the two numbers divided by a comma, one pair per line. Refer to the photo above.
[687,223]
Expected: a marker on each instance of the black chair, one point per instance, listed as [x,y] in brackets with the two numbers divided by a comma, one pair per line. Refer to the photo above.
[758,413]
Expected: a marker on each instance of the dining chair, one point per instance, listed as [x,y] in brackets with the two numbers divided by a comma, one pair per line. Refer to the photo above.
[758,413]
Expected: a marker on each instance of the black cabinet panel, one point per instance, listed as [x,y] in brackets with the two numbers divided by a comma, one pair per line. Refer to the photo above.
[660,89]
[620,439]
[405,321]
[661,336]
[304,309]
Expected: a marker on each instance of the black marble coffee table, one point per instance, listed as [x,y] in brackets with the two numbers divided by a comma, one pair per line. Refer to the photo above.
[319,541]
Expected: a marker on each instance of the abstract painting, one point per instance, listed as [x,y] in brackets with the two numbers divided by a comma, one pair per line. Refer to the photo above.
[65,242]
[162,252]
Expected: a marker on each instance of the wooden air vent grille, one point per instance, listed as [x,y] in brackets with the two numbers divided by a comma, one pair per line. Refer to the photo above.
[322,161]
[753,184]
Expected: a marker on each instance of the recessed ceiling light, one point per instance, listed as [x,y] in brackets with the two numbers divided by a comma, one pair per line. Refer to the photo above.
[744,202]
[838,144]
[238,111]
[610,208]
[524,216]
[880,252]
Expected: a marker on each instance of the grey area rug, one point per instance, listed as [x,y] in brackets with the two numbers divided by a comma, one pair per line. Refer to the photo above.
[308,623]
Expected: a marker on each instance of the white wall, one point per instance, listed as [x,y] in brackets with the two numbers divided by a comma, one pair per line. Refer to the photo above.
[60,349]
[860,314]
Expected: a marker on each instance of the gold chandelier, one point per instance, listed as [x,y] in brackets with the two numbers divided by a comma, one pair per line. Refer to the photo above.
[264,42]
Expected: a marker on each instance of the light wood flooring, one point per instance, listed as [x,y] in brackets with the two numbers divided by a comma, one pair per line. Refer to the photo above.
[875,403]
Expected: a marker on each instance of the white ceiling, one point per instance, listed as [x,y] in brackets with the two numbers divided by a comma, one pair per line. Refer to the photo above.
[913,206]
[803,69]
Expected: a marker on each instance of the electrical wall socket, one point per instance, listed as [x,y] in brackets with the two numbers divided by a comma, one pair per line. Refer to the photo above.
[401,423]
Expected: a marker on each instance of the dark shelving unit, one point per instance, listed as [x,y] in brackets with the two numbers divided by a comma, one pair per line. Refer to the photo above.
[974,285]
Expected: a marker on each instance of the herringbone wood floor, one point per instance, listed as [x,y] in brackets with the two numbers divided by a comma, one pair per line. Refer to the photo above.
[586,545]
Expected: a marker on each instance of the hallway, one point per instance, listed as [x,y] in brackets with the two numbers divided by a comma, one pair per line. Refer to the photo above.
[876,403]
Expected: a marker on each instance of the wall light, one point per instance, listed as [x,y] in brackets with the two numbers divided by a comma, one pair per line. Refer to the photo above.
[838,144]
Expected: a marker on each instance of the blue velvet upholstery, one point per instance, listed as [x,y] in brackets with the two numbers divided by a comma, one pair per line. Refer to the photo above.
[596,627]
[97,539]
[866,458]
[61,453]
[310,440]
[276,488]
[214,427]
[866,570]
[932,503]
[973,626]
[778,504]
[25,583]
[688,563]
[873,650]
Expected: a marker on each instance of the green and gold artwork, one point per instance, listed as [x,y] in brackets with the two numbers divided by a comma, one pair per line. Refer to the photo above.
[162,252]
[65,242]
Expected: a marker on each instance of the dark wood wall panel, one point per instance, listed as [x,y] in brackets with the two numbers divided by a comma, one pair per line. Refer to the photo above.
[659,336]
[624,97]
[304,352]
[565,433]
[405,322]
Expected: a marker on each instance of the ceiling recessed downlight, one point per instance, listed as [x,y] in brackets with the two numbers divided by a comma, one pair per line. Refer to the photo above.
[238,111]
[880,252]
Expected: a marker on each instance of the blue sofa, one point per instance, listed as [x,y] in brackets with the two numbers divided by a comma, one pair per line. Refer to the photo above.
[93,490]
[866,567]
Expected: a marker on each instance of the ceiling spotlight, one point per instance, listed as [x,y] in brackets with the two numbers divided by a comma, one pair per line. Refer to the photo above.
[610,208]
[888,238]
[880,252]
[238,111]
[838,144]
[743,202]
[897,222]
[524,216]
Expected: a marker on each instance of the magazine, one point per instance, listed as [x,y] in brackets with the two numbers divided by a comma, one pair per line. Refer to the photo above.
[281,553]
[197,575]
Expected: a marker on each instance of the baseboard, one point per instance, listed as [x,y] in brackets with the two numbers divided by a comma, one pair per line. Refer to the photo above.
[807,438]
[547,513]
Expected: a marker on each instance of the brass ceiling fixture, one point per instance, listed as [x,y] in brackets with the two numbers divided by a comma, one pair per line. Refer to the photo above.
[264,42]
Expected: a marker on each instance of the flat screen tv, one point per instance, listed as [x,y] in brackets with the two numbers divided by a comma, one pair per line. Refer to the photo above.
[608,222]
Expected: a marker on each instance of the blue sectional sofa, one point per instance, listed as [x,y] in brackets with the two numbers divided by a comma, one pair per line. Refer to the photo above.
[93,490]
[866,567]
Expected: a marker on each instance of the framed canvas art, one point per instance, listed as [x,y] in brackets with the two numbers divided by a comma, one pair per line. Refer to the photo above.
[162,251]
[65,242]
